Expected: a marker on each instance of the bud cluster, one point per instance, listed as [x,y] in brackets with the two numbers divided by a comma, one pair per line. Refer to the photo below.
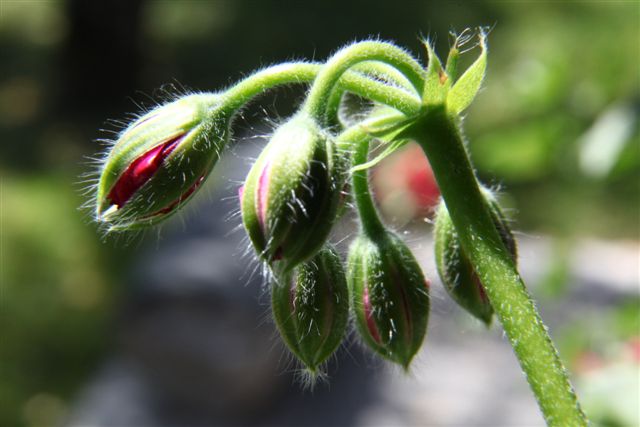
[291,196]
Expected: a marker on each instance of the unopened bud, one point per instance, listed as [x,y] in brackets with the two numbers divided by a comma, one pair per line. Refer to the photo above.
[456,271]
[390,296]
[159,161]
[311,308]
[291,194]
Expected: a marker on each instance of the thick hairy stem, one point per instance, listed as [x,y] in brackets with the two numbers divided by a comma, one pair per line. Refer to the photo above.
[440,138]
[302,72]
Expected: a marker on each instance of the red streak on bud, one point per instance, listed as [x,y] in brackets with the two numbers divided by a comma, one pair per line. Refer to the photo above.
[481,291]
[368,314]
[140,171]
[182,198]
[262,195]
[278,255]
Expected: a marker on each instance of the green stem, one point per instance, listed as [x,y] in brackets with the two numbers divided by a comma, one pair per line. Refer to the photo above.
[319,97]
[371,224]
[440,138]
[379,70]
[302,72]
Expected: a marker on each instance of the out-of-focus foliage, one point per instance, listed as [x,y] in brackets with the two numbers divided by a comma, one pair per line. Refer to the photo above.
[604,354]
[563,79]
[56,297]
[558,120]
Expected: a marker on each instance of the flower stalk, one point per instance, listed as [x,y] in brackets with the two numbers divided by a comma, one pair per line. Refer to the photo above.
[440,137]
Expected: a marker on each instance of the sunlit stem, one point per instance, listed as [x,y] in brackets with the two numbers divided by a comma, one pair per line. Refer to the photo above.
[440,137]
[369,219]
[236,97]
[319,98]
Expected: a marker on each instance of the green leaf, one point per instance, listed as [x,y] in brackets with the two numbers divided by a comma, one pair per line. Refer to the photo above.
[385,126]
[466,88]
[390,149]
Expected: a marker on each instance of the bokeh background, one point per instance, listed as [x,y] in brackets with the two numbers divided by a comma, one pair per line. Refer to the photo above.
[171,327]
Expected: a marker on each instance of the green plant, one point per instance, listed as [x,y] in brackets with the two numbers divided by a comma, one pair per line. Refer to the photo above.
[292,195]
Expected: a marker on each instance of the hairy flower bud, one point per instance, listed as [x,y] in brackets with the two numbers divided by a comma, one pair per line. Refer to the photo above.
[311,307]
[390,296]
[456,271]
[290,197]
[159,161]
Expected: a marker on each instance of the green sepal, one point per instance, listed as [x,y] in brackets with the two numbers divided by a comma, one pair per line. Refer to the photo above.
[384,123]
[437,82]
[452,63]
[389,149]
[467,86]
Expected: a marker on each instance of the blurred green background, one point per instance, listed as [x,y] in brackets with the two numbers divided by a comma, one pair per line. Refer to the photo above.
[556,125]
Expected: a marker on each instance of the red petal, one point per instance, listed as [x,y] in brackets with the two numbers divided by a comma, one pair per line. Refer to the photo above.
[140,171]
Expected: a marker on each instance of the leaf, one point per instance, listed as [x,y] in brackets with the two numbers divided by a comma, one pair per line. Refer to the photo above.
[466,88]
[390,149]
[385,128]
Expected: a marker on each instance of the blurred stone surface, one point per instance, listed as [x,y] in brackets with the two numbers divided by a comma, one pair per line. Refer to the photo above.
[197,345]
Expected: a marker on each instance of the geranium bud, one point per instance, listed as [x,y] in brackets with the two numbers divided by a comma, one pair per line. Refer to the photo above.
[311,307]
[390,296]
[291,193]
[456,271]
[159,161]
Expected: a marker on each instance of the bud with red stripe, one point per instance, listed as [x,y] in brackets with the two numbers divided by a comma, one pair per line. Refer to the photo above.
[390,296]
[159,161]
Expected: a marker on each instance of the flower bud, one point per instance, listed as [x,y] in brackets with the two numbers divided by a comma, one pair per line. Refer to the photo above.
[456,271]
[311,307]
[290,197]
[390,296]
[159,161]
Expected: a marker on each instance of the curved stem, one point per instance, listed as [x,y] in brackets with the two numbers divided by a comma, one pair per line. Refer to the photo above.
[440,138]
[378,70]
[263,80]
[320,95]
[302,72]
[386,73]
[394,97]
